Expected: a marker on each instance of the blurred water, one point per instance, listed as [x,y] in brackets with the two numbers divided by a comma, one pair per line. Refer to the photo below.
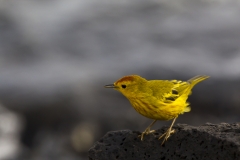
[56,56]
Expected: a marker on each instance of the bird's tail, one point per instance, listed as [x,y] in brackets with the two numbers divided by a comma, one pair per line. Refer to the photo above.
[192,82]
[195,80]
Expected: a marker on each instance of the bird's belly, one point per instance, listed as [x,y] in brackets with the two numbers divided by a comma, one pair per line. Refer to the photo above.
[164,111]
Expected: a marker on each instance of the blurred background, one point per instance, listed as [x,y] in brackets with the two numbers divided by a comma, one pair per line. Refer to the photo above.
[56,56]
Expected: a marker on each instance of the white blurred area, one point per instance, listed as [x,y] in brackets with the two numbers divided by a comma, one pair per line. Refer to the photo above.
[11,125]
[56,56]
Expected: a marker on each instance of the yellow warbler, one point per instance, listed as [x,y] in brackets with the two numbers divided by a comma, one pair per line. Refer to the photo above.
[157,99]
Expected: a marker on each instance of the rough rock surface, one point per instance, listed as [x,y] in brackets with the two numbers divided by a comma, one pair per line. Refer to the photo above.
[209,141]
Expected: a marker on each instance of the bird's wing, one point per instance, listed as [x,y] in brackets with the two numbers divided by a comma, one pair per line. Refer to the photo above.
[168,91]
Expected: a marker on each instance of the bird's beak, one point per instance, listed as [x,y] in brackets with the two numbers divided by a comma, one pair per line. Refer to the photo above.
[110,86]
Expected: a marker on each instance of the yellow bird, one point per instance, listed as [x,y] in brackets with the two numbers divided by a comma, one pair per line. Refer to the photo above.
[157,99]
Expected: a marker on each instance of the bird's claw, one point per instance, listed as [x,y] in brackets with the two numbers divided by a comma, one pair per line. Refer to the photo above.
[146,132]
[167,134]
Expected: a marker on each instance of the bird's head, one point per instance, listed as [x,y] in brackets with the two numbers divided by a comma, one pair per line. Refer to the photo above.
[128,85]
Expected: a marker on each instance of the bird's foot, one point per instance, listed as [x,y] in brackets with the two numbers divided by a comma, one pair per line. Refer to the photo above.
[166,135]
[146,132]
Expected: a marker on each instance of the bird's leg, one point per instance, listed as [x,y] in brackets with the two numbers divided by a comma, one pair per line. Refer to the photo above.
[168,132]
[147,130]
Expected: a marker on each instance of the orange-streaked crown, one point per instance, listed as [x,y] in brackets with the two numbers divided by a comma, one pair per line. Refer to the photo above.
[127,79]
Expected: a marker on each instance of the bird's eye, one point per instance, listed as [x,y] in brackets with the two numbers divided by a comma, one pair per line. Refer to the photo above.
[124,86]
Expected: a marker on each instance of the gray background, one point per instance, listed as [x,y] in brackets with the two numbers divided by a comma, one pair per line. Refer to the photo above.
[56,56]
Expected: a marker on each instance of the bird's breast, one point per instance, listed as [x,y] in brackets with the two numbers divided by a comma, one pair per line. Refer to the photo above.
[155,110]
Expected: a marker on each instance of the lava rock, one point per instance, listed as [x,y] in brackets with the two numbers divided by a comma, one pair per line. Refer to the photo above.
[209,141]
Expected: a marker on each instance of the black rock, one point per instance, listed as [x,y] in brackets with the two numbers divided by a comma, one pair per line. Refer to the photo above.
[209,141]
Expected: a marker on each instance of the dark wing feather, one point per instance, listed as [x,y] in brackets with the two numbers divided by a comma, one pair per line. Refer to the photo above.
[177,89]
